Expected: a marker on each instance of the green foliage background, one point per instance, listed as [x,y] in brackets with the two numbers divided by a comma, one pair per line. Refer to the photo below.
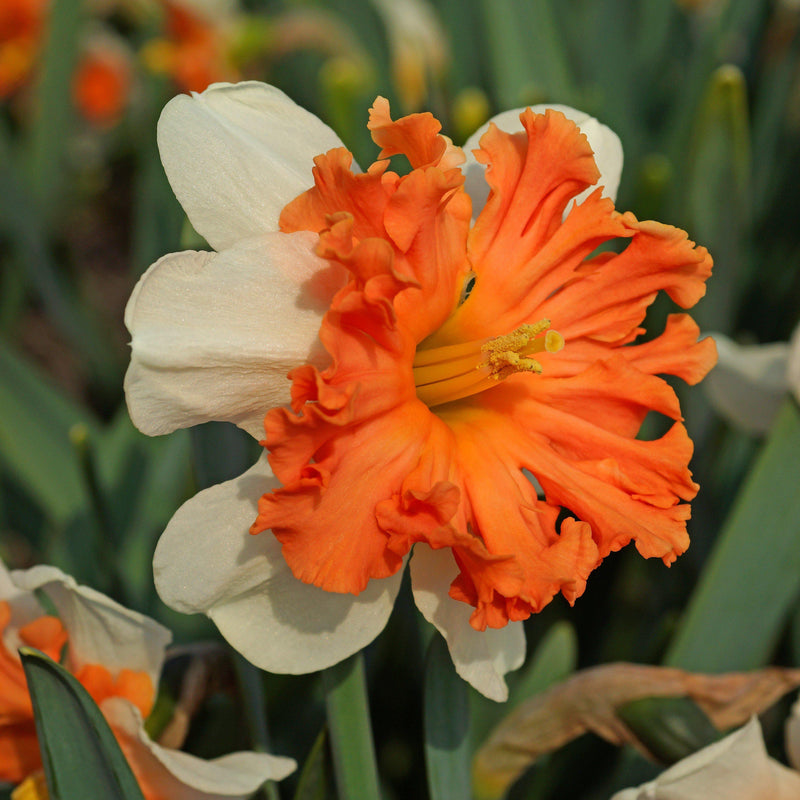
[706,99]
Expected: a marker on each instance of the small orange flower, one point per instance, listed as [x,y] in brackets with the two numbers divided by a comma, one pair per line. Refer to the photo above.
[21,25]
[102,82]
[435,404]
[194,48]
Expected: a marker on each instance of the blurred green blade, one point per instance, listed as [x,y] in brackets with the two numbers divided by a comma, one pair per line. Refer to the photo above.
[719,197]
[316,779]
[55,106]
[752,580]
[446,726]
[555,658]
[80,754]
[35,421]
[350,730]
[34,265]
[528,59]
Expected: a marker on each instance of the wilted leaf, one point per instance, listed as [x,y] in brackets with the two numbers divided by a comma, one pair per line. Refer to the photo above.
[588,702]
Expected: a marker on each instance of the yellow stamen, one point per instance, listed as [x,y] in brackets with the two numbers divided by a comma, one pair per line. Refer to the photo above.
[445,374]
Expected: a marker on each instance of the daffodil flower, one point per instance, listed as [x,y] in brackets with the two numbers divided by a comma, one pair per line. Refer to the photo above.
[117,655]
[737,767]
[436,365]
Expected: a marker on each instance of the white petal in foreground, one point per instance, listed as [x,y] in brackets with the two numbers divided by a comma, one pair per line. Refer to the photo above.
[181,776]
[236,154]
[603,141]
[735,768]
[749,383]
[206,561]
[793,736]
[23,607]
[214,335]
[793,367]
[482,658]
[101,631]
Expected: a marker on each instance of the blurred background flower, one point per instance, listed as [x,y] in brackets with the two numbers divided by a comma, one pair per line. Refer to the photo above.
[117,656]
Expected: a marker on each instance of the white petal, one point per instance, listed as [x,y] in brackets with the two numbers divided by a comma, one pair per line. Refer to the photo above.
[206,561]
[793,736]
[215,334]
[749,382]
[24,608]
[735,768]
[236,154]
[482,658]
[181,776]
[8,589]
[101,631]
[603,141]
[793,367]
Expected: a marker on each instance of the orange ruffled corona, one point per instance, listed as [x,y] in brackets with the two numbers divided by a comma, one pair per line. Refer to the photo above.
[463,356]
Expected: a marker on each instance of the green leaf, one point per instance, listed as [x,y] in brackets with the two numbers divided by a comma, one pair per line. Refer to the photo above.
[447,745]
[36,267]
[553,660]
[528,58]
[50,136]
[35,421]
[81,757]
[751,582]
[671,728]
[350,729]
[719,196]
[316,779]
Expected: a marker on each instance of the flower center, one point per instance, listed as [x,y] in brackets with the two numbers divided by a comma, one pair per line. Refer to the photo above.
[444,374]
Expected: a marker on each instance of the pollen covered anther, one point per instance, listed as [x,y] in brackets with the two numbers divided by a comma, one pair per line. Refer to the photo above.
[511,353]
[452,372]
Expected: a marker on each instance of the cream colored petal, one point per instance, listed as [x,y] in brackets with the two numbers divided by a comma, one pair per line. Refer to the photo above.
[482,658]
[8,589]
[605,143]
[749,383]
[215,334]
[101,631]
[793,365]
[735,768]
[24,608]
[206,561]
[793,736]
[236,154]
[181,776]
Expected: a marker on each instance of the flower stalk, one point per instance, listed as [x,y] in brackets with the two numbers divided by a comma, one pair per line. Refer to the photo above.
[350,730]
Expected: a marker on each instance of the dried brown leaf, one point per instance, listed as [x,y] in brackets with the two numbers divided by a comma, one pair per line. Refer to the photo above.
[587,702]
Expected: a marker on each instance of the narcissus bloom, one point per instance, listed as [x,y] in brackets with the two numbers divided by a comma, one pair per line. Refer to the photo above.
[441,353]
[117,655]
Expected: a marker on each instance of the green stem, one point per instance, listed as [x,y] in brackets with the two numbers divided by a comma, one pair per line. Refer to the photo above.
[350,730]
[252,689]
